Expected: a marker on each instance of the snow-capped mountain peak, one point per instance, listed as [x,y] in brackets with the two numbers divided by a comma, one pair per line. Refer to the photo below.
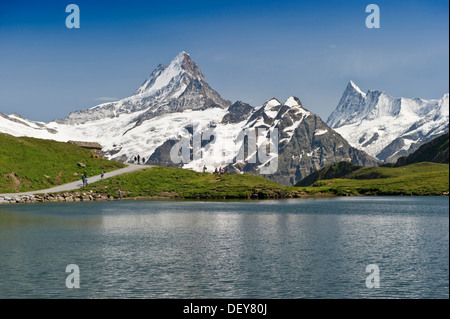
[272,102]
[353,86]
[348,107]
[177,87]
[162,76]
[388,127]
[293,101]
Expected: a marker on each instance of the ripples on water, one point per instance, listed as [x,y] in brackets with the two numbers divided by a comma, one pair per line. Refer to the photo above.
[264,249]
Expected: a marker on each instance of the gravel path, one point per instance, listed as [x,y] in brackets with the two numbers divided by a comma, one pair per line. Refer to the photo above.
[78,184]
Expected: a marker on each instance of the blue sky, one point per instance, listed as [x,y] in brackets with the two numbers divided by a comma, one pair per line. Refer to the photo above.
[248,50]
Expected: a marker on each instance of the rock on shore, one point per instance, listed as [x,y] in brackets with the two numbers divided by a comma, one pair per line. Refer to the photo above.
[60,197]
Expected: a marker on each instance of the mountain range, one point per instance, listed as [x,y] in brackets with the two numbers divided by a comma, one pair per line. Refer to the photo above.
[175,105]
[387,127]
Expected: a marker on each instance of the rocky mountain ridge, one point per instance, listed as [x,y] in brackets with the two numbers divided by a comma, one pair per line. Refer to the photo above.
[387,127]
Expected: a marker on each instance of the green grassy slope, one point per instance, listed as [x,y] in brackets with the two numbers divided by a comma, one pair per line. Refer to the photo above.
[168,182]
[416,179]
[31,164]
[172,182]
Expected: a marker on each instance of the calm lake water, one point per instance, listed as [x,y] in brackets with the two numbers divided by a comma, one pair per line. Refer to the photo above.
[262,249]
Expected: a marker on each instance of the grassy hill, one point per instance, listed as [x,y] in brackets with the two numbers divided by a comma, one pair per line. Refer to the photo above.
[29,163]
[177,183]
[170,182]
[424,178]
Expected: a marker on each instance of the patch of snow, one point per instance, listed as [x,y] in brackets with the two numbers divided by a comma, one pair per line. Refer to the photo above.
[291,102]
[320,132]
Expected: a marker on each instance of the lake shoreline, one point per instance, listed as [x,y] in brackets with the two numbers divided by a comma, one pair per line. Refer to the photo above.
[91,196]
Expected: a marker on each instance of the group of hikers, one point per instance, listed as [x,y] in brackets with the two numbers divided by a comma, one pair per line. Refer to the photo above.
[219,171]
[137,160]
[85,181]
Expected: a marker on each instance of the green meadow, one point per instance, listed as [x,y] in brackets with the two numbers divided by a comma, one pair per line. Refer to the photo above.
[30,164]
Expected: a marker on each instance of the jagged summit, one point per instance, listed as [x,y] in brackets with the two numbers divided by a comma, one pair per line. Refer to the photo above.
[293,101]
[272,102]
[190,66]
[387,127]
[352,85]
[162,75]
[179,86]
[304,142]
[350,104]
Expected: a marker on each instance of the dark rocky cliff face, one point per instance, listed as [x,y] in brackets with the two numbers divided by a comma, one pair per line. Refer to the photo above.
[237,112]
[303,148]
[307,152]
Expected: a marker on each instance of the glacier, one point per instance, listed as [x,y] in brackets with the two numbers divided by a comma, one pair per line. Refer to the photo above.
[387,127]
